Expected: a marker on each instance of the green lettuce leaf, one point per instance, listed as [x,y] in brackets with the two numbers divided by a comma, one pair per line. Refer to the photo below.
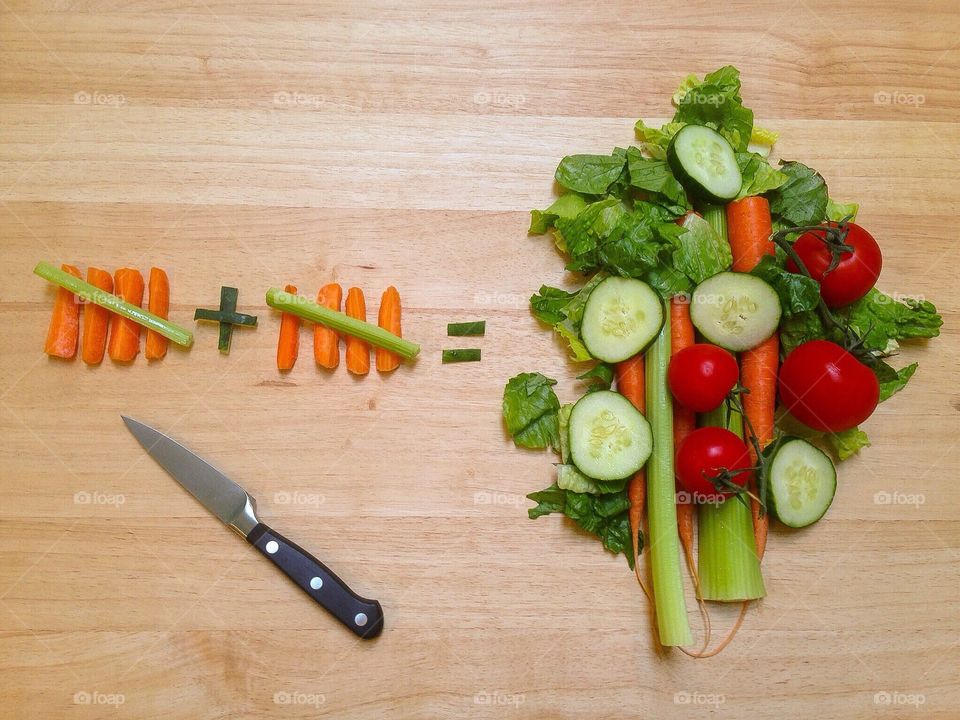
[847,443]
[882,319]
[584,233]
[590,174]
[838,211]
[564,312]
[655,141]
[802,199]
[700,252]
[759,176]
[602,515]
[656,177]
[716,103]
[565,206]
[798,293]
[569,477]
[599,377]
[891,386]
[530,411]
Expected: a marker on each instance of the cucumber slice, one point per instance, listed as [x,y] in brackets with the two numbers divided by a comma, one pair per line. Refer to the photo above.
[609,438]
[736,311]
[622,316]
[704,163]
[803,481]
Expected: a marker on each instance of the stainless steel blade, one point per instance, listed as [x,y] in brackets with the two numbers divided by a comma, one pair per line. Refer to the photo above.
[215,491]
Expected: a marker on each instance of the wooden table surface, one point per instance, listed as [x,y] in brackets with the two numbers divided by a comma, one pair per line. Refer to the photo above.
[256,144]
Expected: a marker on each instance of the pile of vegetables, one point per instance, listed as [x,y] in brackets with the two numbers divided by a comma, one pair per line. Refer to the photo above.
[119,313]
[713,283]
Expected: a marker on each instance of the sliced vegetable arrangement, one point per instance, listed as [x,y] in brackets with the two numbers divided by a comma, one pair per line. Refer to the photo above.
[694,229]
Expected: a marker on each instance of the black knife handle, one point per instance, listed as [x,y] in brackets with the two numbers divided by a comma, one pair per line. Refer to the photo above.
[364,617]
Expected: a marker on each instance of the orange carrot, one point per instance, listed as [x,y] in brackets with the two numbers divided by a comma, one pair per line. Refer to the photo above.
[749,229]
[96,319]
[326,342]
[288,346]
[125,334]
[64,327]
[358,351]
[631,384]
[684,420]
[159,304]
[389,319]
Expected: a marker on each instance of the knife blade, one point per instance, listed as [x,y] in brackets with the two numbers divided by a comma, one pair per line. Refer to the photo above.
[236,508]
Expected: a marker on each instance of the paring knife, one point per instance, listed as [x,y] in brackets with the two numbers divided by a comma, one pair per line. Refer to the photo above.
[231,503]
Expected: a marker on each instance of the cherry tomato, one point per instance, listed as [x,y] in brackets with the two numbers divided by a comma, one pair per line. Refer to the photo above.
[701,376]
[853,277]
[703,454]
[825,387]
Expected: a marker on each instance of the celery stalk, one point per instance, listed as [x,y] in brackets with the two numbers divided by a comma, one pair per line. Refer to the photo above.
[302,307]
[90,293]
[728,563]
[664,543]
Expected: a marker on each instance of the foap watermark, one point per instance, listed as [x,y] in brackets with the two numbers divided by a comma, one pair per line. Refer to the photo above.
[512,300]
[494,698]
[311,699]
[895,697]
[898,297]
[300,99]
[498,98]
[96,697]
[695,98]
[699,498]
[685,697]
[98,498]
[897,97]
[299,498]
[83,97]
[884,497]
[485,497]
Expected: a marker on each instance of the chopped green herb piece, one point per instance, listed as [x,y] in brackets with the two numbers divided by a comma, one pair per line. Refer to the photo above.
[461,355]
[227,316]
[467,329]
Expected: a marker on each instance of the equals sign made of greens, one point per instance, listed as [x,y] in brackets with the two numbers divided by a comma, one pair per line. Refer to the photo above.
[465,329]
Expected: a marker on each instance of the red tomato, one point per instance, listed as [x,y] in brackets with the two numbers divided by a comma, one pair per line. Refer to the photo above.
[703,454]
[825,387]
[853,277]
[701,376]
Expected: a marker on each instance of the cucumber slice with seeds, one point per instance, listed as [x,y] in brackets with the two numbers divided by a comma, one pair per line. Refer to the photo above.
[736,311]
[622,316]
[803,481]
[609,438]
[704,163]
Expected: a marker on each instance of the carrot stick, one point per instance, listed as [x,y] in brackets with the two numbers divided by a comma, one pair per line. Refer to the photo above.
[358,351]
[749,229]
[96,319]
[389,319]
[288,345]
[631,384]
[125,334]
[326,342]
[64,327]
[159,304]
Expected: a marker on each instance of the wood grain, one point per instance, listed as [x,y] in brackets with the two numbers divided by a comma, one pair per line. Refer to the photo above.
[373,143]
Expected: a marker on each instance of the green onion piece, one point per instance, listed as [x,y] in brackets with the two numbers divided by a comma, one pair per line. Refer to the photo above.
[467,329]
[729,566]
[90,293]
[728,562]
[308,310]
[461,355]
[663,540]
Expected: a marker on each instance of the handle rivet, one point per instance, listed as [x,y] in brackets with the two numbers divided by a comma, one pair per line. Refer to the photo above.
[360,619]
[316,583]
[272,547]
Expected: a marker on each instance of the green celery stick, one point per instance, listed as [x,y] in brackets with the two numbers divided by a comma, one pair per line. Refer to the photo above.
[308,310]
